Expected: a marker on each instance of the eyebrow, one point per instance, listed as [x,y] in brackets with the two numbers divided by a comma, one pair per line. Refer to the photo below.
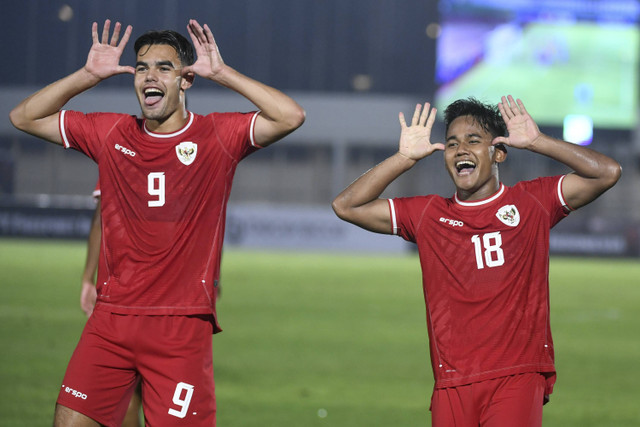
[469,136]
[157,63]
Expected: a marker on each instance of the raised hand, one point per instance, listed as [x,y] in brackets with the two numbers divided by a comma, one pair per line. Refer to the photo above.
[415,140]
[208,62]
[522,130]
[104,57]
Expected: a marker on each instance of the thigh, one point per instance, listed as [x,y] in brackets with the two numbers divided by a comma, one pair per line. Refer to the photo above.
[176,365]
[516,401]
[453,407]
[100,377]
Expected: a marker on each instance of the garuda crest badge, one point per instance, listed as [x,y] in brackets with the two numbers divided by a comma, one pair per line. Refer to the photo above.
[509,215]
[186,152]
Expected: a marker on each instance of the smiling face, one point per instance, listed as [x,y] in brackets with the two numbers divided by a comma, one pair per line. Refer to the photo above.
[160,87]
[471,159]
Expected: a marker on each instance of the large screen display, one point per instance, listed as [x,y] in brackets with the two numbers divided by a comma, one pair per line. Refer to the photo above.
[561,57]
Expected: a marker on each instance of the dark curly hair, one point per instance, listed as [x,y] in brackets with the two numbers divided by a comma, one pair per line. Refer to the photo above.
[171,38]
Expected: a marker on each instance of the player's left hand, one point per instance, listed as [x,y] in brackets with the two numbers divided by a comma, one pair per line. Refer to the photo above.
[209,62]
[88,297]
[522,130]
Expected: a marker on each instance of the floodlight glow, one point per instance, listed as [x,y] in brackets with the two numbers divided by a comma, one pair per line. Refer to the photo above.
[578,129]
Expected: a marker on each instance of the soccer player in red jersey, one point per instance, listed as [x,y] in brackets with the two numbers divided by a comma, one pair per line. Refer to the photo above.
[165,179]
[484,254]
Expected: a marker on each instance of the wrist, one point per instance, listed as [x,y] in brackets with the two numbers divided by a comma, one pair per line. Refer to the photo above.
[406,159]
[88,77]
[536,142]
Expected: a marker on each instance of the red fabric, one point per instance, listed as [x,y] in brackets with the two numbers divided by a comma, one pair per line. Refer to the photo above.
[508,401]
[485,279]
[163,218]
[169,352]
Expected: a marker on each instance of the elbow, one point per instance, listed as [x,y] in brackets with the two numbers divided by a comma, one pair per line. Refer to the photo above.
[339,208]
[612,173]
[297,118]
[16,119]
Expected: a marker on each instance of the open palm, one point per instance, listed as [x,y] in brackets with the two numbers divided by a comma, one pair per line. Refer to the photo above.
[415,140]
[521,128]
[208,62]
[103,60]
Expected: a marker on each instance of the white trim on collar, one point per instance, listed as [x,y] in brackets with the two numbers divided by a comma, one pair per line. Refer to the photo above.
[480,202]
[169,135]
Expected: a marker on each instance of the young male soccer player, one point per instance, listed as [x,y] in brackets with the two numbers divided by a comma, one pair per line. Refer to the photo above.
[484,254]
[165,180]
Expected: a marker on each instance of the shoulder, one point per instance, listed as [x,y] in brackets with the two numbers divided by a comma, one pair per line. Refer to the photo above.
[418,203]
[99,117]
[542,187]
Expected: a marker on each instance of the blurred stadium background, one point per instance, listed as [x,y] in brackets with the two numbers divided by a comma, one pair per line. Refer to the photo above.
[353,65]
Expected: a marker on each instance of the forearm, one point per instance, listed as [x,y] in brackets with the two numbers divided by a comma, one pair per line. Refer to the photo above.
[93,247]
[593,172]
[359,203]
[583,161]
[281,113]
[35,114]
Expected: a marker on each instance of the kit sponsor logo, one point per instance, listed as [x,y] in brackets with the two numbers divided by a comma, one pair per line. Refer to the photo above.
[74,393]
[452,222]
[125,150]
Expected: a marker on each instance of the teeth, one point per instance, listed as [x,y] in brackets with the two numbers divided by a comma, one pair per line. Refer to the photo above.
[153,92]
[463,164]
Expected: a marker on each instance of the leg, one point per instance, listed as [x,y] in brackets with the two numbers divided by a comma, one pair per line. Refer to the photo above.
[65,417]
[177,368]
[100,378]
[132,418]
[452,407]
[516,402]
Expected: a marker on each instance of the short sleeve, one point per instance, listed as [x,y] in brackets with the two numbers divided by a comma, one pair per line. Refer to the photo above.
[235,131]
[85,132]
[548,192]
[406,215]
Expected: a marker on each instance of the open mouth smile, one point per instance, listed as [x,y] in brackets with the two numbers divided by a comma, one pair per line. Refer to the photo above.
[152,96]
[465,167]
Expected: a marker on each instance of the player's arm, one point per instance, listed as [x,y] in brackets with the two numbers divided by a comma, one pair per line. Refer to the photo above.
[593,172]
[88,292]
[39,113]
[360,202]
[279,114]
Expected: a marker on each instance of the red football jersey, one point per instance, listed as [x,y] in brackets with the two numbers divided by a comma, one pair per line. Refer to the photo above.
[485,274]
[163,200]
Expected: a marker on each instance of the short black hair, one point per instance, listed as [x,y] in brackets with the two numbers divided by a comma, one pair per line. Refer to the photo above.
[486,115]
[169,37]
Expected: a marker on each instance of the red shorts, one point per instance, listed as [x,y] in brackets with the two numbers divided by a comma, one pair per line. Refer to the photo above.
[508,401]
[171,354]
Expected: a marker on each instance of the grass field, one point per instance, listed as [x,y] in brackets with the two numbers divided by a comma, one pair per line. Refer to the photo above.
[324,340]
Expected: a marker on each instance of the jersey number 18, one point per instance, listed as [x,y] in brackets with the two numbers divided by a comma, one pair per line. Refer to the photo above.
[488,248]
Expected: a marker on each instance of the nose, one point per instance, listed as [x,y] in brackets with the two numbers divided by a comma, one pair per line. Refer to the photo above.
[150,76]
[462,148]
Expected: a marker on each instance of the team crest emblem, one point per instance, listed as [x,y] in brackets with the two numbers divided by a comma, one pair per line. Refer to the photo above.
[186,152]
[509,215]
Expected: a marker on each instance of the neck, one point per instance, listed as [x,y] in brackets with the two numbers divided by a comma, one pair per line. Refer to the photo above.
[173,123]
[488,189]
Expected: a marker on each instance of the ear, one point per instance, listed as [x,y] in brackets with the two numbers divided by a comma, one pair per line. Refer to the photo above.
[499,155]
[187,81]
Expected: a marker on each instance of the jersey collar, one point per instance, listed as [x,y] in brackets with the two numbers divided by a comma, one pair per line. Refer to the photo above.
[170,135]
[482,201]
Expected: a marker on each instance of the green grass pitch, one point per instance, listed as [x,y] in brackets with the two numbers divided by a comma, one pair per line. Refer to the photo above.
[324,340]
